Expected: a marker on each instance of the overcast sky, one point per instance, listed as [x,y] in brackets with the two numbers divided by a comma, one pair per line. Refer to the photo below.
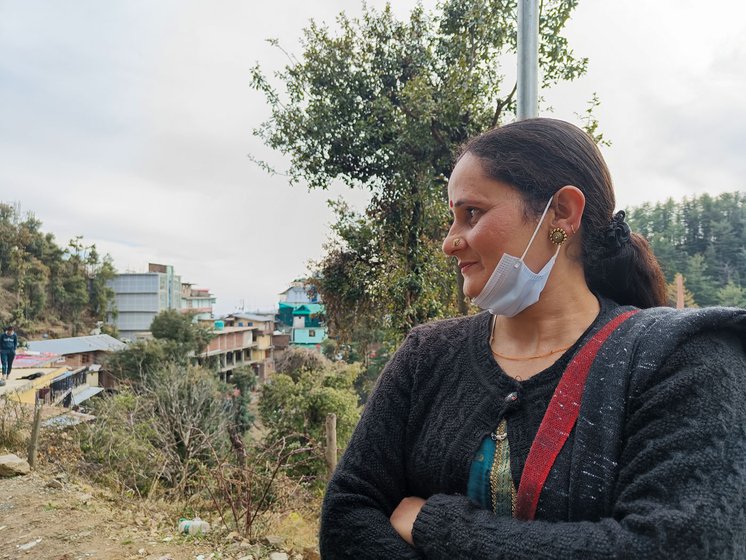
[129,122]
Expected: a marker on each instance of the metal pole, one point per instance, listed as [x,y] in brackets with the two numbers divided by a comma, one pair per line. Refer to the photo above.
[528,59]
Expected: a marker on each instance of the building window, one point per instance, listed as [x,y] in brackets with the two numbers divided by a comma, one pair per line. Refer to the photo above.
[311,333]
[240,323]
[85,358]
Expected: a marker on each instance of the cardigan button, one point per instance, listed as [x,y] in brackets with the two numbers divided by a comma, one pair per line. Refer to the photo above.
[511,398]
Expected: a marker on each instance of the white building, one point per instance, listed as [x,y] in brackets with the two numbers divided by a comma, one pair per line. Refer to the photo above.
[141,296]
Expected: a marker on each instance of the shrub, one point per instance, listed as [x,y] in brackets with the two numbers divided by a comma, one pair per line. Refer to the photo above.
[15,424]
[120,444]
[298,403]
[163,433]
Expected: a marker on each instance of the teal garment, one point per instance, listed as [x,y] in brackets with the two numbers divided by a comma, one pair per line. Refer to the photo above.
[478,487]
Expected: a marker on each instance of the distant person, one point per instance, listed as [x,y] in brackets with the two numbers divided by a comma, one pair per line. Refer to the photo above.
[8,345]
[576,417]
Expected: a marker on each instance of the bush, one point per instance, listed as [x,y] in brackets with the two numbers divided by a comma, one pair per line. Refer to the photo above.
[296,361]
[192,415]
[163,433]
[15,425]
[120,444]
[298,403]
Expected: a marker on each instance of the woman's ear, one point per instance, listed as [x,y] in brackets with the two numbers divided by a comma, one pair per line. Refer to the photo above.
[569,203]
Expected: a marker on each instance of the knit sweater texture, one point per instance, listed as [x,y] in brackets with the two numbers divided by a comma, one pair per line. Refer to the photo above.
[655,467]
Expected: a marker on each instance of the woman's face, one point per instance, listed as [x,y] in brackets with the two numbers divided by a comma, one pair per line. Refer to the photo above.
[489,220]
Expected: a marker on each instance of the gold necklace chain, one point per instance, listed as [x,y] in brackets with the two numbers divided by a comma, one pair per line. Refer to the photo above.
[526,358]
[521,358]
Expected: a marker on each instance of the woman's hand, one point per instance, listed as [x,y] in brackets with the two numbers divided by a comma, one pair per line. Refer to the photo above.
[404,515]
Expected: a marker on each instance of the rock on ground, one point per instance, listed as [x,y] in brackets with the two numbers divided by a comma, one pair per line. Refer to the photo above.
[12,465]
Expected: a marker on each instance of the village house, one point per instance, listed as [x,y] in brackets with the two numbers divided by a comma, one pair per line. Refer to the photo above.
[262,353]
[301,315]
[230,348]
[43,377]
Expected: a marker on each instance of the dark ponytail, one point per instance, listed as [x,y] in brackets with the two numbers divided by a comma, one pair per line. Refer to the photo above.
[540,156]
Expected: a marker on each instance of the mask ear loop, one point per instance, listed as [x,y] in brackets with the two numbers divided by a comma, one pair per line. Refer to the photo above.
[530,241]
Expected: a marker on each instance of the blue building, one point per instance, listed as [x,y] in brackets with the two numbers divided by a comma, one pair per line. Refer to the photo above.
[301,312]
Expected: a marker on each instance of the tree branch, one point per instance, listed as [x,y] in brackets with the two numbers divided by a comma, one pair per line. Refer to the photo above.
[501,105]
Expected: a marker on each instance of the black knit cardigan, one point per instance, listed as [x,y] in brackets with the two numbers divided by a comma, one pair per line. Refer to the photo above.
[655,468]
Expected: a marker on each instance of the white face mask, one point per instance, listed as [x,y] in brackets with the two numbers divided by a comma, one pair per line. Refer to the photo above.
[513,286]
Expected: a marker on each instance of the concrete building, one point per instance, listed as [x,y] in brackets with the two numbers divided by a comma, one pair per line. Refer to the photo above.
[140,296]
[230,348]
[299,292]
[197,301]
[301,315]
[262,353]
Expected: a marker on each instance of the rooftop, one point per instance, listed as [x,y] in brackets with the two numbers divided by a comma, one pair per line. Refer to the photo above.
[34,360]
[77,345]
[261,317]
[228,330]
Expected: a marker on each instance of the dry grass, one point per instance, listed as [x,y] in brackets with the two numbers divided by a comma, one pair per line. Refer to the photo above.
[15,425]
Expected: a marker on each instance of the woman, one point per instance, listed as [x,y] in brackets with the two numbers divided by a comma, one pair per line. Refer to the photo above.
[562,423]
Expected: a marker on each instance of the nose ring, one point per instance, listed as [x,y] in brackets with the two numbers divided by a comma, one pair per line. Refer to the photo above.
[457,242]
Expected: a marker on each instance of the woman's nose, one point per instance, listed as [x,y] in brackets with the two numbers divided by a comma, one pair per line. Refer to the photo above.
[452,243]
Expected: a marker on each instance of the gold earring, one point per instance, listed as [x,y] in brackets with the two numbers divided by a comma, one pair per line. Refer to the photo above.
[558,236]
[457,242]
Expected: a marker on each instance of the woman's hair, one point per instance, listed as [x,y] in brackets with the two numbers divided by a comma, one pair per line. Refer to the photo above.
[540,156]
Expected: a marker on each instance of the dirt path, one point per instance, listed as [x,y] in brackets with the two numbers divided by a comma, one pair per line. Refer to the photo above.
[48,518]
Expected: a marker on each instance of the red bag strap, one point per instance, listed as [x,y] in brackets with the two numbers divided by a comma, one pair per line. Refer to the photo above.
[559,419]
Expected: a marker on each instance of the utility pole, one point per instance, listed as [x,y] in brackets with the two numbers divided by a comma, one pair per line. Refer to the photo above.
[528,59]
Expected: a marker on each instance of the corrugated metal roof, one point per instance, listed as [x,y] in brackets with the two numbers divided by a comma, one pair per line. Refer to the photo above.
[85,394]
[77,344]
[253,317]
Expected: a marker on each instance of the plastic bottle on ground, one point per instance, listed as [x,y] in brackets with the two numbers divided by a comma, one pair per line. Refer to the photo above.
[193,526]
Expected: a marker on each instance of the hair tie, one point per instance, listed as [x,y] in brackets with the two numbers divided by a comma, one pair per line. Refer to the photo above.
[618,233]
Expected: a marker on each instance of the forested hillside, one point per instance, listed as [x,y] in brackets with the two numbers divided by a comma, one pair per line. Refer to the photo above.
[703,238]
[47,288]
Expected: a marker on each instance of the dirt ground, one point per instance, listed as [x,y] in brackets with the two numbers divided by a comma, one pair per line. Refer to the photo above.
[48,517]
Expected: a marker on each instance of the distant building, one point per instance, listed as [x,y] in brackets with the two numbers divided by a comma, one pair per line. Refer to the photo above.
[301,313]
[230,348]
[88,352]
[41,377]
[300,292]
[262,353]
[197,301]
[78,350]
[140,296]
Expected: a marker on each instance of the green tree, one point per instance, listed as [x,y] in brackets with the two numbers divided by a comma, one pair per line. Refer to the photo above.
[731,295]
[244,381]
[179,328]
[139,360]
[382,104]
[102,297]
[703,237]
[295,405]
